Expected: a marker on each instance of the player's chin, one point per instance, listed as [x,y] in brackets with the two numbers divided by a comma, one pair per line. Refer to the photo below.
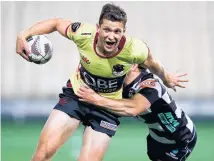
[110,49]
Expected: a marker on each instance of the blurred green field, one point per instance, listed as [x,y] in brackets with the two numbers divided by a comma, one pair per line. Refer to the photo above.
[19,141]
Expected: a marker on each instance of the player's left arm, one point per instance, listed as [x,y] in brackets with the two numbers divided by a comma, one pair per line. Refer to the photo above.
[122,107]
[170,80]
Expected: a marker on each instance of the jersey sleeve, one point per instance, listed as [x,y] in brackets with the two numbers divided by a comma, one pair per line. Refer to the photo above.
[141,51]
[80,33]
[151,89]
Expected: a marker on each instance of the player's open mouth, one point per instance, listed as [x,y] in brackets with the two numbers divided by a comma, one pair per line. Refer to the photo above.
[110,44]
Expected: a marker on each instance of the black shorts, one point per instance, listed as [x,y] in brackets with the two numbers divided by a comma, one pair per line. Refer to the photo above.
[99,120]
[169,152]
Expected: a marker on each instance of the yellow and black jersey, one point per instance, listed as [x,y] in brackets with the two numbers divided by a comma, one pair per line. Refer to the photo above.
[104,75]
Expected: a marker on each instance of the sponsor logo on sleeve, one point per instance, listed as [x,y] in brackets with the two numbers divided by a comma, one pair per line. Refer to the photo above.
[75,26]
[86,33]
[150,83]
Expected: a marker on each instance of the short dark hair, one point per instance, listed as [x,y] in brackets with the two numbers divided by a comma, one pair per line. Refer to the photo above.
[113,13]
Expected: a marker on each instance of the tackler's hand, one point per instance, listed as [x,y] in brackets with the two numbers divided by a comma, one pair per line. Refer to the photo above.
[88,95]
[173,80]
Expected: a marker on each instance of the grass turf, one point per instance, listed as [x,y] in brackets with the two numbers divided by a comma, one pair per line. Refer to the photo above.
[19,141]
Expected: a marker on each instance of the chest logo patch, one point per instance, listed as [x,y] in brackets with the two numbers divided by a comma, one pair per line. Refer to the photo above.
[118,70]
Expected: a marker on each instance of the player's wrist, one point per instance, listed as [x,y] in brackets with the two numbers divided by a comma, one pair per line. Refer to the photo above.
[165,79]
[24,35]
[99,100]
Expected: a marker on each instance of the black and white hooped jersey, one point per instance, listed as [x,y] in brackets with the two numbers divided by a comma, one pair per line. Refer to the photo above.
[167,123]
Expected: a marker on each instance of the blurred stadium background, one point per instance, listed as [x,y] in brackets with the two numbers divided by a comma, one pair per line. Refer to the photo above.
[179,34]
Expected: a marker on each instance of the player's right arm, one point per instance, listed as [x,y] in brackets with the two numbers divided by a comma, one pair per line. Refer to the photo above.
[40,28]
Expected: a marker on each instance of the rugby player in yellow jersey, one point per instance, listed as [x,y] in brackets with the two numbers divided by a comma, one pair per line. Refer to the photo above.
[106,55]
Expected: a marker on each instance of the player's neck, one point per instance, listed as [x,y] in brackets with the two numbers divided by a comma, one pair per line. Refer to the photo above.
[104,53]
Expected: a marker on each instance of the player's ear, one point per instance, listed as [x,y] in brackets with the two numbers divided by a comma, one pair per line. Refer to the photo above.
[124,30]
[98,27]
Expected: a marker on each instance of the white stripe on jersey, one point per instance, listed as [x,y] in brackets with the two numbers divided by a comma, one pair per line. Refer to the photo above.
[189,124]
[161,139]
[166,98]
[156,126]
[178,112]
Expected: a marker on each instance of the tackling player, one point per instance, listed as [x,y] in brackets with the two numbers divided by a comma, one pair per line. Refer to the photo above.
[106,55]
[172,135]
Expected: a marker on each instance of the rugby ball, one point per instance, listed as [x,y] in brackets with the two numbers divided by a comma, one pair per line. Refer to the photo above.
[41,49]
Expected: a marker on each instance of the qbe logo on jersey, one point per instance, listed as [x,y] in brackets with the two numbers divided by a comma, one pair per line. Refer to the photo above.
[101,84]
[108,125]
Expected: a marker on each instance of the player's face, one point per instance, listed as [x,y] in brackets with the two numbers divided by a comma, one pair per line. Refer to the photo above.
[110,34]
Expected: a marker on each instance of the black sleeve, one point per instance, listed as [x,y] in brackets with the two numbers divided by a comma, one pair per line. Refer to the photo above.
[150,93]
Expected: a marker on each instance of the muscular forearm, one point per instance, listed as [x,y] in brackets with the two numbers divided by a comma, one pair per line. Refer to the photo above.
[40,28]
[121,107]
[119,113]
[155,67]
[158,69]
